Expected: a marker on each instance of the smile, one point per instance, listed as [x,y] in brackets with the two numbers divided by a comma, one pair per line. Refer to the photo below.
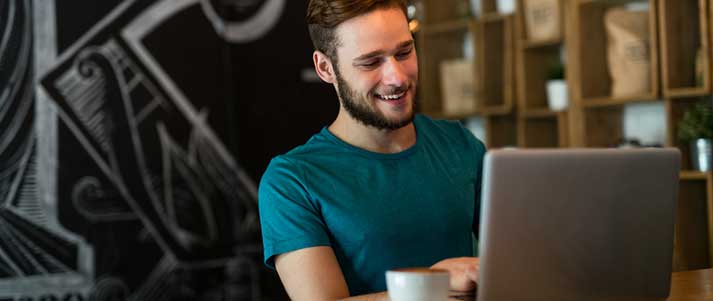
[391,97]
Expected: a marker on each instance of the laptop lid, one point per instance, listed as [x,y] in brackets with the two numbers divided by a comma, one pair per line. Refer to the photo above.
[577,224]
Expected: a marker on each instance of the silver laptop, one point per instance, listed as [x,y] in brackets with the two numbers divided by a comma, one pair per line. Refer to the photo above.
[588,224]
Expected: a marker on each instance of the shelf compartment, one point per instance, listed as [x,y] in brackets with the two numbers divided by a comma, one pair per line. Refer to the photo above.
[543,131]
[675,110]
[495,59]
[501,131]
[436,44]
[684,30]
[532,71]
[603,127]
[590,81]
[522,26]
[692,239]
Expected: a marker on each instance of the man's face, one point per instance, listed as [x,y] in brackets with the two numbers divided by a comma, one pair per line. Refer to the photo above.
[377,69]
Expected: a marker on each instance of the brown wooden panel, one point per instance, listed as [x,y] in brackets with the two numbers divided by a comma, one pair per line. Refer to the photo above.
[538,132]
[683,32]
[500,131]
[488,6]
[603,127]
[691,239]
[437,11]
[434,47]
[492,60]
[592,59]
[563,129]
[532,83]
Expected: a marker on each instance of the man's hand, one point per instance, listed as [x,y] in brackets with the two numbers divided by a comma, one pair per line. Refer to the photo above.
[463,270]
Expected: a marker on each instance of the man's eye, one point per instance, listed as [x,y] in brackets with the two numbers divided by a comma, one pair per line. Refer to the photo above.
[370,64]
[404,54]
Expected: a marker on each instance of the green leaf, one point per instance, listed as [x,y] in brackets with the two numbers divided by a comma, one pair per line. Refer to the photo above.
[697,123]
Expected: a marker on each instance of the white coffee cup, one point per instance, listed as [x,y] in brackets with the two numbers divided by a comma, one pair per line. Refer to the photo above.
[418,284]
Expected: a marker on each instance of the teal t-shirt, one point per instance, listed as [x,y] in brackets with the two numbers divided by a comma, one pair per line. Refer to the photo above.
[377,211]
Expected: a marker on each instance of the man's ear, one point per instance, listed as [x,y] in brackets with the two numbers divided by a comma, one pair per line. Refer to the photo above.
[324,67]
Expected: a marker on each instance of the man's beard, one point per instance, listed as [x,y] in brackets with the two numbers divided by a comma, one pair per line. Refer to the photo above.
[365,114]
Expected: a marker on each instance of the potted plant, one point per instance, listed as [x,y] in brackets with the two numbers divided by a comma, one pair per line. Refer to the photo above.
[557,88]
[696,128]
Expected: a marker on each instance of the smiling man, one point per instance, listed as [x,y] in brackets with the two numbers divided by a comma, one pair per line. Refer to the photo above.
[379,188]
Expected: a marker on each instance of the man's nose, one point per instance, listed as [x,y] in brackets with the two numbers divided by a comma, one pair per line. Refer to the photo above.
[394,73]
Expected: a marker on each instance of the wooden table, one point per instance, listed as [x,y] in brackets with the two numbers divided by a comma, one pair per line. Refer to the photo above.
[685,286]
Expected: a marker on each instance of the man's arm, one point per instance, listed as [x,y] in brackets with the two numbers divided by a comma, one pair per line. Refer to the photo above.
[312,274]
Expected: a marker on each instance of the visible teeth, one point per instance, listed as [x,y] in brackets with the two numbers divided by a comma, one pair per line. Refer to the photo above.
[391,97]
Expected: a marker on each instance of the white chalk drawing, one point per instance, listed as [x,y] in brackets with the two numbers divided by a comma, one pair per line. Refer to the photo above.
[131,149]
[37,255]
[248,28]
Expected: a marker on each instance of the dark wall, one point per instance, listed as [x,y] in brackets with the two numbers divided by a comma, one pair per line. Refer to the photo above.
[133,134]
[281,103]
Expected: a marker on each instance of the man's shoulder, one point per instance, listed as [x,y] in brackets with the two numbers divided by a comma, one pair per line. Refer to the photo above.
[446,132]
[318,147]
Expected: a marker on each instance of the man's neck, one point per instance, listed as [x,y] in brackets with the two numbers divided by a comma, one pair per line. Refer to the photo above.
[370,138]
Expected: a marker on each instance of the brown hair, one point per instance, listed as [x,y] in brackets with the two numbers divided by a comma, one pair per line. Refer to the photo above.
[323,17]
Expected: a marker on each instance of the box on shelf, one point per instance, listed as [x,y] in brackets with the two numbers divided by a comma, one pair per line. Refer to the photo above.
[628,51]
[458,92]
[543,19]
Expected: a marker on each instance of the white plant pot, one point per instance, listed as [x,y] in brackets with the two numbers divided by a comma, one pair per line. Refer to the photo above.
[557,98]
[702,154]
[475,7]
[505,6]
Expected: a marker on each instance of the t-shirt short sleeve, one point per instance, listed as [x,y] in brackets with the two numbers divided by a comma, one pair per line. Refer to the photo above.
[290,219]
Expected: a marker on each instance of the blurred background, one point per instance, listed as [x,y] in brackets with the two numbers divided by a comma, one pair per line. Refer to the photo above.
[133,133]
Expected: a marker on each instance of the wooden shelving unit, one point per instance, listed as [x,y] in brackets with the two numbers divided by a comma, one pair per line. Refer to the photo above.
[538,126]
[442,37]
[675,27]
[588,54]
[511,71]
[496,65]
[436,43]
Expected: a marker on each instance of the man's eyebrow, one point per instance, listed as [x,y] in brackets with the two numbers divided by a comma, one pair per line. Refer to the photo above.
[369,55]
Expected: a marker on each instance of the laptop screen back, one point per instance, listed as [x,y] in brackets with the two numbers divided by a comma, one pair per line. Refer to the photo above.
[588,224]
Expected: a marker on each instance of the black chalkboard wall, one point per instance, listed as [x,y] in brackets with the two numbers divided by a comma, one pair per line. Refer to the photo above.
[132,137]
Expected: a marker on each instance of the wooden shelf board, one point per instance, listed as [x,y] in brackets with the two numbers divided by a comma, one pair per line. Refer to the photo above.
[613,2]
[617,101]
[492,17]
[685,92]
[527,44]
[693,175]
[446,27]
[495,110]
[539,113]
